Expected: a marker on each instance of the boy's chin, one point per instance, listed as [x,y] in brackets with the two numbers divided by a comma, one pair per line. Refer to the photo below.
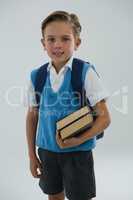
[60,60]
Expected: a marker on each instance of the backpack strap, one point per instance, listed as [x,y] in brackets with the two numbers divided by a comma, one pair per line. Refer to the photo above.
[77,84]
[40,82]
[76,80]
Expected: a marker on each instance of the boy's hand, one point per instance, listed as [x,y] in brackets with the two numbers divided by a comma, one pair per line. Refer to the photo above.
[70,142]
[35,167]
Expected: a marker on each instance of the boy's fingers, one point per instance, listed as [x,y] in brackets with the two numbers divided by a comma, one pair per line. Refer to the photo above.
[38,176]
[39,165]
[39,168]
[59,140]
[39,172]
[35,174]
[36,170]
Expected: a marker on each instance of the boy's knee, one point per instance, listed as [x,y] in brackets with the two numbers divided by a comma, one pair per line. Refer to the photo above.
[59,196]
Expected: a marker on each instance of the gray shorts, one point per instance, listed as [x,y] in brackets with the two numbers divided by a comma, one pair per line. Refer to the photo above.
[71,172]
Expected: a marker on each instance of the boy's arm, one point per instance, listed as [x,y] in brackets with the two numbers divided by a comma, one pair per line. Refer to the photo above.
[100,124]
[31,127]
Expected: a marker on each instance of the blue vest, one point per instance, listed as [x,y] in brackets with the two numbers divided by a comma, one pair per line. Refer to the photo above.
[53,107]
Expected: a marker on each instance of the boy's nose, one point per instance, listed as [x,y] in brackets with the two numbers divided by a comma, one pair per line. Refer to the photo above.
[58,44]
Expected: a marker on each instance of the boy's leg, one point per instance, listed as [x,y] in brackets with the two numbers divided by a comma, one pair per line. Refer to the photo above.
[51,180]
[78,175]
[59,196]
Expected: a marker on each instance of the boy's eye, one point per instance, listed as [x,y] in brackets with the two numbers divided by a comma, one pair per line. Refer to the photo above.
[51,39]
[65,39]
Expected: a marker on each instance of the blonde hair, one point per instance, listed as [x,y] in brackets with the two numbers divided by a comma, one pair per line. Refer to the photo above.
[65,17]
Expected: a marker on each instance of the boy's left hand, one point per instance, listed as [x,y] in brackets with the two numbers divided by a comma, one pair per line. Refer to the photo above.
[67,143]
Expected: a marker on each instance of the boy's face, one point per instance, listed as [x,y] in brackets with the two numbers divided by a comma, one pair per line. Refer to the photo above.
[60,42]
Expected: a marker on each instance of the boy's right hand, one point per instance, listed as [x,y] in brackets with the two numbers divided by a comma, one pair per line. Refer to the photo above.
[35,167]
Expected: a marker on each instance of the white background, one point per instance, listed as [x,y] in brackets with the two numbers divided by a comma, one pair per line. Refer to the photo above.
[107,39]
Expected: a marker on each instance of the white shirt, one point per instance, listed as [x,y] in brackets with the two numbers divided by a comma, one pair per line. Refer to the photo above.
[94,87]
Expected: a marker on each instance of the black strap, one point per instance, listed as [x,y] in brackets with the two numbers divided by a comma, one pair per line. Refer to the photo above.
[76,80]
[40,82]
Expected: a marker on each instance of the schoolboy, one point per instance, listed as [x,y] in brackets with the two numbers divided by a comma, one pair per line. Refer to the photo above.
[66,168]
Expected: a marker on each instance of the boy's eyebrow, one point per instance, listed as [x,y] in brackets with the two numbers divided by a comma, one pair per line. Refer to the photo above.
[68,35]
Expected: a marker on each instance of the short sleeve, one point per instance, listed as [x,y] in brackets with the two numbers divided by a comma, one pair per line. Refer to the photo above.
[33,76]
[94,87]
[30,100]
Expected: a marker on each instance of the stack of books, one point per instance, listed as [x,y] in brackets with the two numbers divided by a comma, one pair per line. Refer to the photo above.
[75,123]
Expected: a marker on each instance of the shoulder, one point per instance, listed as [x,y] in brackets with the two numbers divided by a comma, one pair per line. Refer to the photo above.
[35,71]
[88,69]
[33,75]
[83,65]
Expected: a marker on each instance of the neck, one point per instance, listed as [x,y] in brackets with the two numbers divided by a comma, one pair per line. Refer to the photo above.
[58,66]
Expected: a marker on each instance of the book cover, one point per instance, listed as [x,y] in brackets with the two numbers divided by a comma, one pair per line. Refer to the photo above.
[75,123]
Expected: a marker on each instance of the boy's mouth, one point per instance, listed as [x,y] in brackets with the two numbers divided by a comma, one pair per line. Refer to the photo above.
[58,53]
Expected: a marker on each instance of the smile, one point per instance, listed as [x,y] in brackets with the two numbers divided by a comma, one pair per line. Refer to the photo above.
[58,53]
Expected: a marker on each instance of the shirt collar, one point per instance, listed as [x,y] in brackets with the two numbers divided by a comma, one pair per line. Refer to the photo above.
[67,65]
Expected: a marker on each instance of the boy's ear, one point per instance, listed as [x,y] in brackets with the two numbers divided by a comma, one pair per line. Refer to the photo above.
[43,43]
[78,42]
